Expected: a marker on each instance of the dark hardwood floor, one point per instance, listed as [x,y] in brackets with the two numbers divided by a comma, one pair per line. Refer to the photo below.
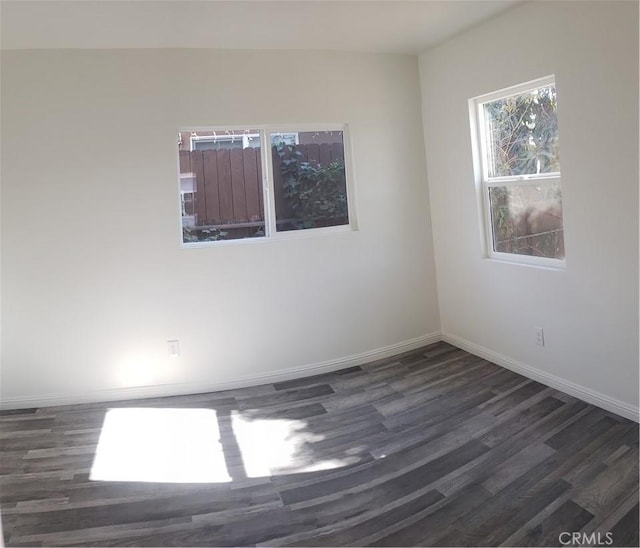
[434,447]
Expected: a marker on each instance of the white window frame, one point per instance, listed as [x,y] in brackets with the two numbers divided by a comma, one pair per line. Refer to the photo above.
[271,234]
[244,137]
[484,182]
[216,138]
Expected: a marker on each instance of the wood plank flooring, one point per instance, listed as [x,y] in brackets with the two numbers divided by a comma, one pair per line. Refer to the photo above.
[434,447]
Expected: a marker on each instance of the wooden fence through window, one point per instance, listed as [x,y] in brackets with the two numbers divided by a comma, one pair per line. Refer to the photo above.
[228,182]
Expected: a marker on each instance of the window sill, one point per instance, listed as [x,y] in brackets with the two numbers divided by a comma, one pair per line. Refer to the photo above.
[557,265]
[278,237]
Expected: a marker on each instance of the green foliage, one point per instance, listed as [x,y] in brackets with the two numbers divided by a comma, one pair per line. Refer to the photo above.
[312,193]
[501,216]
[196,234]
[522,139]
[523,133]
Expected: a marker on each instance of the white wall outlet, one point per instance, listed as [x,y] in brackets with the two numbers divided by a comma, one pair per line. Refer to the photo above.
[174,348]
[539,335]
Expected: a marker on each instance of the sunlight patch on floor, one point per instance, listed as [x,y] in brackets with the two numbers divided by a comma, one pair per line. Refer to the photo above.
[277,446]
[147,444]
[160,445]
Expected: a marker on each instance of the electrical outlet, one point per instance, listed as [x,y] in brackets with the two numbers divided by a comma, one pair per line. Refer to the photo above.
[539,336]
[174,348]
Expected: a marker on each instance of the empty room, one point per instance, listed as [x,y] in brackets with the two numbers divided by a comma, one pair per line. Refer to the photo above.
[319,273]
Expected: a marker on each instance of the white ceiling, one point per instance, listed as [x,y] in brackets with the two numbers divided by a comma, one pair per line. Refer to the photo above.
[377,26]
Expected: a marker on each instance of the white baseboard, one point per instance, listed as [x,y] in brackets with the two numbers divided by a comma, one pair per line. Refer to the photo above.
[586,394]
[181,389]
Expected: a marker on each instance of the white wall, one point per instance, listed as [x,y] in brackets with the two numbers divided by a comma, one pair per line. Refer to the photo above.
[589,311]
[94,279]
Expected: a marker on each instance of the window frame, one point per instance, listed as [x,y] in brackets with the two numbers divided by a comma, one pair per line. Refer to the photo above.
[193,140]
[271,234]
[484,182]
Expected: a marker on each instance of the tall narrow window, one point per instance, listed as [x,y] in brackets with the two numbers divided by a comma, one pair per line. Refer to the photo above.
[517,134]
[234,187]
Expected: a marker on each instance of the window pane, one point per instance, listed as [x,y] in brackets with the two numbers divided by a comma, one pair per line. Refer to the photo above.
[309,179]
[284,138]
[522,134]
[527,220]
[221,185]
